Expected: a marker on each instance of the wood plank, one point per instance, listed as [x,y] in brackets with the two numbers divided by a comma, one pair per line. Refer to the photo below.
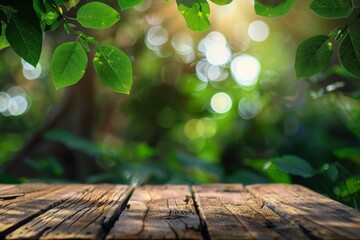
[6,186]
[23,188]
[84,215]
[37,199]
[231,212]
[318,216]
[158,212]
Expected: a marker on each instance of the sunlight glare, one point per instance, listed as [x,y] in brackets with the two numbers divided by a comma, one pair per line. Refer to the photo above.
[245,69]
[184,46]
[4,101]
[221,102]
[17,105]
[183,43]
[215,48]
[207,72]
[16,91]
[34,73]
[258,31]
[156,37]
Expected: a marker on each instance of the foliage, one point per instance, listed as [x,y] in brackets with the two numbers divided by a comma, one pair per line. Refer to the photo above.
[22,26]
[162,143]
[313,55]
[294,165]
[196,13]
[97,15]
[113,68]
[68,64]
[271,9]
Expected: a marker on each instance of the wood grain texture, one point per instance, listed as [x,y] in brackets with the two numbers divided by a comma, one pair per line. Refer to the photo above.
[158,212]
[318,216]
[36,199]
[220,211]
[24,188]
[6,186]
[231,212]
[84,215]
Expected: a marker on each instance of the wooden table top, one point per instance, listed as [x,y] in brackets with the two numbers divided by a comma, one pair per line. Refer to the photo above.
[217,211]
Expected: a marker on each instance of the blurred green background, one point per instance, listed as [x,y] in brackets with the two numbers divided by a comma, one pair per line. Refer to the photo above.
[216,106]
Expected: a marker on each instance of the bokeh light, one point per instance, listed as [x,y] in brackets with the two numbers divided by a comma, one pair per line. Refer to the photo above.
[4,101]
[17,105]
[258,31]
[13,102]
[207,72]
[183,44]
[221,102]
[215,48]
[245,69]
[156,37]
[249,107]
[200,128]
[29,71]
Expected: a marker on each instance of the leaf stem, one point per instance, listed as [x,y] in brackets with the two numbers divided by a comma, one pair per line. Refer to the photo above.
[80,35]
[71,18]
[63,17]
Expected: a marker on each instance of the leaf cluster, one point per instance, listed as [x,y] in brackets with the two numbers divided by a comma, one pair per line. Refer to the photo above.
[314,54]
[22,24]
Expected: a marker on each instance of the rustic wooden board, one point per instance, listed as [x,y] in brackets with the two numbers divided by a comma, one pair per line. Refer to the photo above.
[35,199]
[158,212]
[231,212]
[220,211]
[318,216]
[6,186]
[23,188]
[84,215]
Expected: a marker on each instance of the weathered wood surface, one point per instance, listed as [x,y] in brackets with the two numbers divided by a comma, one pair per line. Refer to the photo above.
[158,212]
[232,212]
[217,211]
[86,213]
[314,214]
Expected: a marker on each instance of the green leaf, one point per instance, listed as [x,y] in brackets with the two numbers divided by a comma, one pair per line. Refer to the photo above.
[68,64]
[313,55]
[294,165]
[113,67]
[221,2]
[265,167]
[125,4]
[23,32]
[39,7]
[97,15]
[349,53]
[196,13]
[273,8]
[85,44]
[350,186]
[69,4]
[346,152]
[3,41]
[73,142]
[332,8]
